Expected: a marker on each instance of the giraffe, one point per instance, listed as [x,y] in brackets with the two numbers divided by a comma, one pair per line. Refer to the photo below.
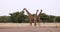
[38,17]
[35,17]
[30,16]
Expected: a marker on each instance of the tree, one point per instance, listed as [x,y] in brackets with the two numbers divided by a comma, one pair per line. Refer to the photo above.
[4,19]
[47,18]
[58,19]
[44,17]
[18,17]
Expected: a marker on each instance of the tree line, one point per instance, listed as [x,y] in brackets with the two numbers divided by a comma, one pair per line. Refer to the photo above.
[20,17]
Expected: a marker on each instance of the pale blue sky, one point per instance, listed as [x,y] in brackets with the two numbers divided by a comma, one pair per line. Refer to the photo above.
[50,7]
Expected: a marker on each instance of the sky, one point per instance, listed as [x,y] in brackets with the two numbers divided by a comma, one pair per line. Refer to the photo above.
[50,7]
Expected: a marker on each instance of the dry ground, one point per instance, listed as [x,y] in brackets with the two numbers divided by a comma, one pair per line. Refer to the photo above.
[25,27]
[27,24]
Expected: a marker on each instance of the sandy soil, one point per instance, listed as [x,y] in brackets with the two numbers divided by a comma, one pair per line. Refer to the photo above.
[24,27]
[27,24]
[30,29]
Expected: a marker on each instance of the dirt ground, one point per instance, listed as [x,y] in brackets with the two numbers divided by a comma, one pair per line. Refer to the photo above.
[30,29]
[10,27]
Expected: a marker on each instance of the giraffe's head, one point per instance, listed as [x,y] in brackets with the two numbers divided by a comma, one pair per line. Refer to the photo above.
[41,10]
[37,10]
[24,9]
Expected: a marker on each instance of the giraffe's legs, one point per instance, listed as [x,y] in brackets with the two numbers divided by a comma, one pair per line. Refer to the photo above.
[39,21]
[35,20]
[35,24]
[30,20]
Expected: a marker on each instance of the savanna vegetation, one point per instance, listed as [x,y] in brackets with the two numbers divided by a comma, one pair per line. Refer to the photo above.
[20,17]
